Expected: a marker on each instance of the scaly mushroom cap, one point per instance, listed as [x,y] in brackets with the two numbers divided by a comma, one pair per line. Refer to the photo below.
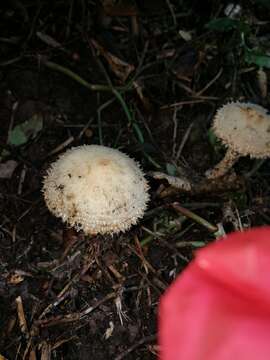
[96,189]
[245,128]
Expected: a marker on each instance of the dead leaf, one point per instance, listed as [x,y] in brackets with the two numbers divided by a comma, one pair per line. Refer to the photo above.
[7,168]
[109,331]
[177,182]
[45,351]
[144,100]
[48,40]
[15,279]
[185,35]
[32,355]
[17,276]
[186,62]
[119,67]
[119,8]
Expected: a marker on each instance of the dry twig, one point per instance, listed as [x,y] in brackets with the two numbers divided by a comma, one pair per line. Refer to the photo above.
[21,317]
[144,340]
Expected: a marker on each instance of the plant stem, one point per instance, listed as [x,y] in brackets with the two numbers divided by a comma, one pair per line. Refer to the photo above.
[194,217]
[76,77]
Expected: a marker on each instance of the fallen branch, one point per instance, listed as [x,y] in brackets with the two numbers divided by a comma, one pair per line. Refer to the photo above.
[202,185]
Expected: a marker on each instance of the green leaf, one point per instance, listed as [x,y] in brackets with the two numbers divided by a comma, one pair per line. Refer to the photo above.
[23,132]
[253,57]
[227,24]
[215,142]
[223,24]
[3,154]
[213,139]
[138,132]
[171,169]
[197,243]
[265,3]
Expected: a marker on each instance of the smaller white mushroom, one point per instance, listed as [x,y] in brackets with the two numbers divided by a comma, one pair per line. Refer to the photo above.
[244,128]
[96,189]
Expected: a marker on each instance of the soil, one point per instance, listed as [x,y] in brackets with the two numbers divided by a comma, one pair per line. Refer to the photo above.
[64,295]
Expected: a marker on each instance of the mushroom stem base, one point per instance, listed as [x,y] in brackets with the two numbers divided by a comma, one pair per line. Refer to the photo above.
[223,166]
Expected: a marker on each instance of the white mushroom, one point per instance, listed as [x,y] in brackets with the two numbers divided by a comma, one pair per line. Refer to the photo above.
[244,128]
[96,189]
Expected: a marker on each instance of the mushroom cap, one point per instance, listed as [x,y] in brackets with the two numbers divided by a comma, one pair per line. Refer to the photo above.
[245,128]
[96,189]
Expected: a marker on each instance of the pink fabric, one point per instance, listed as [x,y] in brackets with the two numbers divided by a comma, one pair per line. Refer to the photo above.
[219,307]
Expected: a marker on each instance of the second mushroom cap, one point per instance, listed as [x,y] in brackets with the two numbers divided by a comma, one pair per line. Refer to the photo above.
[244,127]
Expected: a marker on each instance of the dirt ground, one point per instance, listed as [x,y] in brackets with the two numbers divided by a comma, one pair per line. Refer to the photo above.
[146,78]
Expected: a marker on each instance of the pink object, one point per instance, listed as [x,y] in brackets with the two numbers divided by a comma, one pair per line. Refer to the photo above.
[219,307]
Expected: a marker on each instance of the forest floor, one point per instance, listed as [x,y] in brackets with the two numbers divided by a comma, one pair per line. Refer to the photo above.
[146,78]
